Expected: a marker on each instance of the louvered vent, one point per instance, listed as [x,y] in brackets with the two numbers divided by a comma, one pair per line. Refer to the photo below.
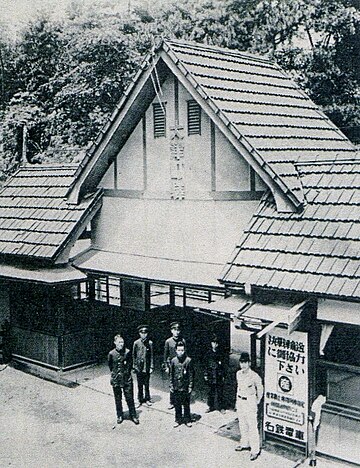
[159,120]
[194,118]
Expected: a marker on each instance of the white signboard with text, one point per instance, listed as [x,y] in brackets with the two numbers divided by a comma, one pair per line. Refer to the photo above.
[286,384]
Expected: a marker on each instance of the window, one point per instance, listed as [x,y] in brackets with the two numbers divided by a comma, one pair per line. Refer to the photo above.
[107,289]
[114,290]
[159,295]
[159,120]
[339,372]
[135,295]
[80,290]
[342,346]
[101,289]
[194,118]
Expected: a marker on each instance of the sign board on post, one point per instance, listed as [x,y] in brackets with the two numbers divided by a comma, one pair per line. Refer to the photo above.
[286,384]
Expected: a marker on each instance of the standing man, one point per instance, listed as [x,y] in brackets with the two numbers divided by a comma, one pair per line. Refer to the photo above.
[120,365]
[169,351]
[214,375]
[249,394]
[181,384]
[143,363]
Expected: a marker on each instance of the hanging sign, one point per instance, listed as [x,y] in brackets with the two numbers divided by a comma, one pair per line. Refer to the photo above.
[286,384]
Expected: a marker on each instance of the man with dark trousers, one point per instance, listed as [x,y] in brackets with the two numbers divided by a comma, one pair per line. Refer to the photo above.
[181,384]
[214,375]
[120,365]
[169,350]
[143,364]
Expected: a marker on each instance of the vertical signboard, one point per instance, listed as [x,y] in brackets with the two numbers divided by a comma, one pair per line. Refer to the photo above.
[286,384]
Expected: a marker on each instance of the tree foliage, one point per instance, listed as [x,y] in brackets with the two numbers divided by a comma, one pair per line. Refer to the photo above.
[62,79]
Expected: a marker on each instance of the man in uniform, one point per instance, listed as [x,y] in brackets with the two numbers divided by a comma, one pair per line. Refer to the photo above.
[169,350]
[181,384]
[214,375]
[143,364]
[120,365]
[249,394]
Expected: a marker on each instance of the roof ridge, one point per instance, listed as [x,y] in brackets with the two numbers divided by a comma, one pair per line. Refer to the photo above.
[223,50]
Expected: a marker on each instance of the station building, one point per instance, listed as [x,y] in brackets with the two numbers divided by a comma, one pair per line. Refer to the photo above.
[219,194]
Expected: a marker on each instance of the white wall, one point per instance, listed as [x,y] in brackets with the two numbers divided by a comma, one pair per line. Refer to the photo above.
[197,150]
[199,230]
[130,171]
[232,172]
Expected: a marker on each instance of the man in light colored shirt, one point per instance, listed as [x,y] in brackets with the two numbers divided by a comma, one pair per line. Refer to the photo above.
[249,394]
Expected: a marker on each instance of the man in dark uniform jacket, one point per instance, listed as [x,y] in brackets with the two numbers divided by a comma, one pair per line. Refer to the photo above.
[214,375]
[181,384]
[169,350]
[143,364]
[120,365]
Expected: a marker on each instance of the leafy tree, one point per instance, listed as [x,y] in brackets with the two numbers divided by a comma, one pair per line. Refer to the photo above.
[329,70]
[63,79]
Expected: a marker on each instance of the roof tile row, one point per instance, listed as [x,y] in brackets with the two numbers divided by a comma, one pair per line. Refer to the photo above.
[35,218]
[316,251]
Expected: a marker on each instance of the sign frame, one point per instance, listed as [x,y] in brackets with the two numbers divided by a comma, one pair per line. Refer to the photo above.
[286,385]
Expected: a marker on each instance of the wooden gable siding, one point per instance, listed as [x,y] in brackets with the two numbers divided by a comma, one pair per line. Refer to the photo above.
[142,165]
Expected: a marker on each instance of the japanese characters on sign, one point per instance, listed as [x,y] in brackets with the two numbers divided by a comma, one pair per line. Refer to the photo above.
[286,384]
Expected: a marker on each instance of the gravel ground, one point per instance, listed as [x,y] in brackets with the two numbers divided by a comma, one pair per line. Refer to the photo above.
[44,424]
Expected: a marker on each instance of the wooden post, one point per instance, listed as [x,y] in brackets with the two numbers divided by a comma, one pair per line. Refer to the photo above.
[172,296]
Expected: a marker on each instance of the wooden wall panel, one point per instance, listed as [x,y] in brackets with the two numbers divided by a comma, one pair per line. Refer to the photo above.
[78,348]
[36,346]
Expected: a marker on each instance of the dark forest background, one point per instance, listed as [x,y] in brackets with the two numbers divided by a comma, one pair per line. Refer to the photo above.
[62,78]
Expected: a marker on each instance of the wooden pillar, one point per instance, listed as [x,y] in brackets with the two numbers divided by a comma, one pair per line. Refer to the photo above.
[172,296]
[57,305]
[253,349]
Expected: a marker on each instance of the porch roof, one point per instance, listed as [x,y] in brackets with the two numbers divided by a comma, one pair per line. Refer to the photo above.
[57,275]
[161,270]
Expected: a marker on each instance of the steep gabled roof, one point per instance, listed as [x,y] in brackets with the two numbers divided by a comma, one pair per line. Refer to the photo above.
[316,251]
[35,219]
[257,106]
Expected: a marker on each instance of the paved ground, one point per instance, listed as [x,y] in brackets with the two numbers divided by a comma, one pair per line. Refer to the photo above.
[47,425]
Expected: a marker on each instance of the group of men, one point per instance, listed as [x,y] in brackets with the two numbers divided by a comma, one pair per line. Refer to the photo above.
[179,367]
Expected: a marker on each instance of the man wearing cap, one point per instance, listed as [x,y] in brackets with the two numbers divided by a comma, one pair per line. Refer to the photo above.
[120,365]
[214,375]
[170,350]
[249,394]
[143,364]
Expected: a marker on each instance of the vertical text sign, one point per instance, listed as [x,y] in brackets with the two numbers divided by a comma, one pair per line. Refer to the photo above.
[286,384]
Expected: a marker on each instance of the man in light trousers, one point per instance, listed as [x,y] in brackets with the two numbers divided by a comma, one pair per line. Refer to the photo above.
[249,394]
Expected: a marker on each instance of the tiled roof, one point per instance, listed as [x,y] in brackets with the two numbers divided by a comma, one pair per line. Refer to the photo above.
[262,104]
[35,218]
[316,251]
[259,104]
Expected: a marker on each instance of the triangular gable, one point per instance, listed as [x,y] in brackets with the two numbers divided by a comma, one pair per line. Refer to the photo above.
[255,105]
